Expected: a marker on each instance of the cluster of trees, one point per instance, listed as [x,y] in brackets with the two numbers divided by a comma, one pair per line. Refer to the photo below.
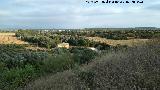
[124,34]
[115,34]
[38,38]
[50,40]
[76,41]
[41,41]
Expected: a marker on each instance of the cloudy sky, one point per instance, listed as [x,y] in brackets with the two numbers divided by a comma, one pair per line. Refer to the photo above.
[77,14]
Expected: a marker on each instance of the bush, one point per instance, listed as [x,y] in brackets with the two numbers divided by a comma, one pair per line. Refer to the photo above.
[137,68]
[87,77]
[17,77]
[102,46]
[19,66]
[57,63]
[83,55]
[66,80]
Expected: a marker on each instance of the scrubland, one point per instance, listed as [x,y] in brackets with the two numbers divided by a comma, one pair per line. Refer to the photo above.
[118,64]
[136,68]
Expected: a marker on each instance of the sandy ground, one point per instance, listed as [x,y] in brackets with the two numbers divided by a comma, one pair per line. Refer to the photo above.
[9,38]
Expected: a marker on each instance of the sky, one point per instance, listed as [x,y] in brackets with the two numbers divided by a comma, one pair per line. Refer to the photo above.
[77,14]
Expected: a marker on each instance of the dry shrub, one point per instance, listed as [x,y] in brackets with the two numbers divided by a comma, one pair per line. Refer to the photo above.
[155,41]
[60,81]
[137,68]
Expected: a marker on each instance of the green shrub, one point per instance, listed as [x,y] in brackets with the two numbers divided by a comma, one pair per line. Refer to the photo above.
[83,55]
[57,63]
[16,77]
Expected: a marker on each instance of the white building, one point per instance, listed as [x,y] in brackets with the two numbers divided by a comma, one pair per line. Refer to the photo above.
[63,45]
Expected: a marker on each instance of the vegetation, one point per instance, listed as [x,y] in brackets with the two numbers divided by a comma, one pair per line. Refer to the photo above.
[83,55]
[80,68]
[19,66]
[137,68]
[132,69]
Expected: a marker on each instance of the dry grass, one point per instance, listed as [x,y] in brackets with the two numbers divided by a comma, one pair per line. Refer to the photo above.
[134,69]
[7,34]
[130,42]
[61,81]
[9,38]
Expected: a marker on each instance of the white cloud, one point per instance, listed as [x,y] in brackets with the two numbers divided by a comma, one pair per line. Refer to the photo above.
[76,12]
[4,13]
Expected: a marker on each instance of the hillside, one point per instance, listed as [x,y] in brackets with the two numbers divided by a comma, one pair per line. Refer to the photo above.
[117,64]
[133,69]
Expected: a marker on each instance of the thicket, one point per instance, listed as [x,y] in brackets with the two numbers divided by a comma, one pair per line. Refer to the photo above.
[50,40]
[19,66]
[115,34]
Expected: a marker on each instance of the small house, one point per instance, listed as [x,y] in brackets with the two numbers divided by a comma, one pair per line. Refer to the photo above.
[63,45]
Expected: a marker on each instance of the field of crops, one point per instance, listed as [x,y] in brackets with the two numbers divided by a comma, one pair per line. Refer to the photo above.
[9,38]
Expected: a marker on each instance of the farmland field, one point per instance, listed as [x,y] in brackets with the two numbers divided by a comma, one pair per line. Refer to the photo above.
[10,38]
[130,42]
